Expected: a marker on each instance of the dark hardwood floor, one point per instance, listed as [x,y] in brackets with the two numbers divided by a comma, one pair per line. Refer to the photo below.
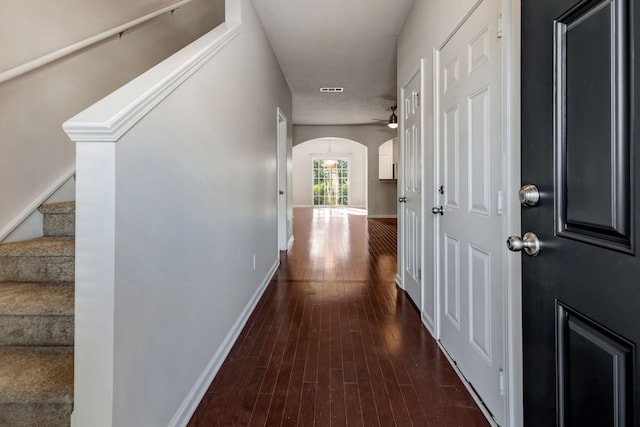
[334,342]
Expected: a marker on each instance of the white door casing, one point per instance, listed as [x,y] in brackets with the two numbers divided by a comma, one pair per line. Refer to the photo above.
[411,187]
[470,239]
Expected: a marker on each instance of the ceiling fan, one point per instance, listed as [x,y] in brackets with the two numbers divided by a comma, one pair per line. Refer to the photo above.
[392,122]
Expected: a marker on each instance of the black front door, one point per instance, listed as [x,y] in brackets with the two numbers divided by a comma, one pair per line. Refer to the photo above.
[580,147]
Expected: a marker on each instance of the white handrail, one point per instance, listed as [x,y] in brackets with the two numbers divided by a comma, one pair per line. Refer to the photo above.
[61,53]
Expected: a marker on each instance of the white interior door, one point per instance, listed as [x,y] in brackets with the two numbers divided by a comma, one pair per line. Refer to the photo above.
[471,247]
[283,184]
[411,184]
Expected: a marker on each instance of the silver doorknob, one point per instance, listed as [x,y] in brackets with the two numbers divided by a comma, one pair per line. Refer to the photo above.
[402,199]
[529,243]
[437,210]
[529,195]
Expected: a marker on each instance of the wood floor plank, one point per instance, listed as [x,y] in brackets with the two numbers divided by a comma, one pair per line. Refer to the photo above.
[338,405]
[323,389]
[352,401]
[396,399]
[282,386]
[412,401]
[260,411]
[334,342]
[305,328]
[368,404]
[336,337]
[249,396]
[308,405]
[348,362]
[381,398]
[294,394]
[313,348]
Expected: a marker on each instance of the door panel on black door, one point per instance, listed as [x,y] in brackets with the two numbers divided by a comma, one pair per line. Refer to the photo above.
[592,121]
[593,373]
[581,294]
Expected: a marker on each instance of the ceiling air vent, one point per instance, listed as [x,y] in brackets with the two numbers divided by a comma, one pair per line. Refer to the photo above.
[331,89]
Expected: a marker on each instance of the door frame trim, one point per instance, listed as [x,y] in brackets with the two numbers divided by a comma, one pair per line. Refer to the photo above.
[511,10]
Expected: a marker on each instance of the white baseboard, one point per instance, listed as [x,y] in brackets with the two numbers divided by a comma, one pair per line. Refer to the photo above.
[399,281]
[382,216]
[190,404]
[472,392]
[290,243]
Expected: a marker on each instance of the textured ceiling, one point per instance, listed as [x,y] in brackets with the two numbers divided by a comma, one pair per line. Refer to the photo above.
[345,43]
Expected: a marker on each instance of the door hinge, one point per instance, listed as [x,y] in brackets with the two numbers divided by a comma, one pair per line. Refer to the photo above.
[417,98]
[499,27]
[501,382]
[419,274]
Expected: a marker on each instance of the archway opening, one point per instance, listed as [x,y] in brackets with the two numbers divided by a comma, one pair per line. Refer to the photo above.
[330,172]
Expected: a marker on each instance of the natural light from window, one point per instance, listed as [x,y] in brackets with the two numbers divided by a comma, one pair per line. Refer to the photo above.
[330,182]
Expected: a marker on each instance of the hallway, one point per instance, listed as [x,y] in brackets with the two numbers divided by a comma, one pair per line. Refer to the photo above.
[333,341]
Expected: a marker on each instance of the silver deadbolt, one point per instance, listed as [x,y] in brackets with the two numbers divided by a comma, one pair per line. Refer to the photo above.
[437,210]
[402,199]
[529,243]
[529,195]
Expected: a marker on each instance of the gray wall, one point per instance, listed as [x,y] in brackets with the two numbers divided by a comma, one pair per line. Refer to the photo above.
[209,177]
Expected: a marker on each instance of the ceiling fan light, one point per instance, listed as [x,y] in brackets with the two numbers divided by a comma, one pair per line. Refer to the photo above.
[393,121]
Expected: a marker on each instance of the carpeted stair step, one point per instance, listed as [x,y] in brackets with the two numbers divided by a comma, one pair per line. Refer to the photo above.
[37,314]
[48,259]
[36,386]
[59,219]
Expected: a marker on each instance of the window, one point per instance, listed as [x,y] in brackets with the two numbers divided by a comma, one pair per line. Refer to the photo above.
[330,182]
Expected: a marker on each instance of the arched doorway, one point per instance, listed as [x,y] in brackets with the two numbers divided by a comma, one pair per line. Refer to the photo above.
[330,172]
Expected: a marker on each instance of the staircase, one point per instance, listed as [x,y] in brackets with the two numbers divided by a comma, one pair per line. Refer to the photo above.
[36,324]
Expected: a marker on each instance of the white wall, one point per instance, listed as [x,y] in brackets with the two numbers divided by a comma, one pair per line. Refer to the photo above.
[381,196]
[387,158]
[189,196]
[35,153]
[338,148]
